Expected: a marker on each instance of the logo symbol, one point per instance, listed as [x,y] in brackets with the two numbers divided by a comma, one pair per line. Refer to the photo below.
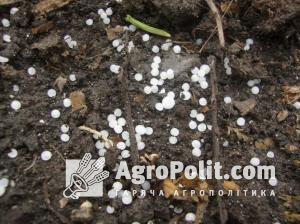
[78,181]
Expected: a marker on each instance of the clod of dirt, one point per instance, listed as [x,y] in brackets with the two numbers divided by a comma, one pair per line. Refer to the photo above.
[245,106]
[50,41]
[60,82]
[84,214]
[282,115]
[264,144]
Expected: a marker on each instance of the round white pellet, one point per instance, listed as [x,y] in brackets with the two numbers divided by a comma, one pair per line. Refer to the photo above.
[67,102]
[251,83]
[174,132]
[72,77]
[31,71]
[195,78]
[140,129]
[147,90]
[201,127]
[185,95]
[3,59]
[117,186]
[111,117]
[154,89]
[116,43]
[249,41]
[64,128]
[106,21]
[109,11]
[177,49]
[138,77]
[270,154]
[247,47]
[163,75]
[173,140]
[5,22]
[121,121]
[112,123]
[121,145]
[157,59]
[168,102]
[46,155]
[297,105]
[112,193]
[155,72]
[185,86]
[255,161]
[166,46]
[155,49]
[199,41]
[100,12]
[170,74]
[4,182]
[102,152]
[12,154]
[51,93]
[6,38]
[125,135]
[154,81]
[202,101]
[228,71]
[118,129]
[273,181]
[118,112]
[200,117]
[127,197]
[227,99]
[225,143]
[13,10]
[241,121]
[55,114]
[146,37]
[15,105]
[255,90]
[132,28]
[196,144]
[99,145]
[192,125]
[159,106]
[196,152]
[149,131]
[204,85]
[138,137]
[89,22]
[154,65]
[193,113]
[125,154]
[16,88]
[205,68]
[64,137]
[190,217]
[114,68]
[110,210]
[146,185]
[140,145]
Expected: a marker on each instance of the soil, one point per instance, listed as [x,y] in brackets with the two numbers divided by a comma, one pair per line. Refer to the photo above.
[274,58]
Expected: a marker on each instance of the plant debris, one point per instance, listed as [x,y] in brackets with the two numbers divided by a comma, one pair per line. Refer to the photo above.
[245,106]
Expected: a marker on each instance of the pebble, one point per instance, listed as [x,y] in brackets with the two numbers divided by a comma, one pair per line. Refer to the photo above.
[55,113]
[67,102]
[46,155]
[12,154]
[31,71]
[240,121]
[72,77]
[146,37]
[177,49]
[190,217]
[255,161]
[51,93]
[255,90]
[15,105]
[64,137]
[227,99]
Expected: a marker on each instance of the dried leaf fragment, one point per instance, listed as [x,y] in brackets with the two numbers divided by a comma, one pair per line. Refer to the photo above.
[45,6]
[245,106]
[8,2]
[169,188]
[78,101]
[282,115]
[264,144]
[113,33]
[47,42]
[292,148]
[291,93]
[239,133]
[42,28]
[60,82]
[63,202]
[231,185]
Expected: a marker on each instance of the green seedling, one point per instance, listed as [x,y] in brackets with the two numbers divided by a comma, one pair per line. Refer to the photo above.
[146,27]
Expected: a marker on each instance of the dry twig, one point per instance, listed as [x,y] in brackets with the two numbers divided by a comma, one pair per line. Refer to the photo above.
[98,134]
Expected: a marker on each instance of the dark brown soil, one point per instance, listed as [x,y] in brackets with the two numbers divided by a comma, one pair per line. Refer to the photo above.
[274,57]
